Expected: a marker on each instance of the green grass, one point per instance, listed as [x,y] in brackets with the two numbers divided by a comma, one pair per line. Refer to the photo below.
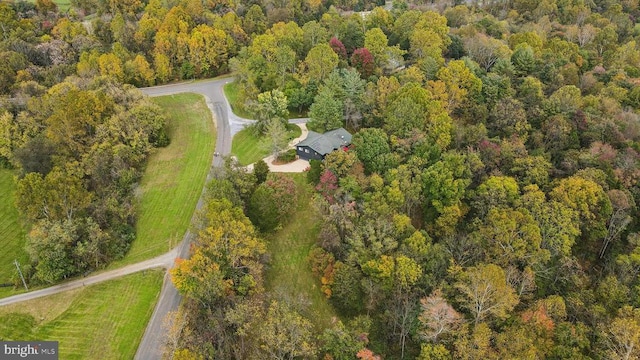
[102,321]
[249,148]
[63,5]
[231,92]
[174,178]
[12,234]
[289,271]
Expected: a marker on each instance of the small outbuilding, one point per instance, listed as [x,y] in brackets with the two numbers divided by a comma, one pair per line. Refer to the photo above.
[316,146]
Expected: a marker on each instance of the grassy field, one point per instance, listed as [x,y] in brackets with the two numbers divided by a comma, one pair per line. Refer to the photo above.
[249,148]
[63,5]
[12,235]
[289,272]
[103,321]
[174,177]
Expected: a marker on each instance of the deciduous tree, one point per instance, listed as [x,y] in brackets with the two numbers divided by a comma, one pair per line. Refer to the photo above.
[320,62]
[589,201]
[486,50]
[437,317]
[200,278]
[208,50]
[271,106]
[486,293]
[459,81]
[285,334]
[50,246]
[60,195]
[363,61]
[623,335]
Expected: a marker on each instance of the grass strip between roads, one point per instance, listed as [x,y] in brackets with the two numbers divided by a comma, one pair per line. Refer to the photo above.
[289,272]
[102,321]
[231,91]
[174,178]
[12,234]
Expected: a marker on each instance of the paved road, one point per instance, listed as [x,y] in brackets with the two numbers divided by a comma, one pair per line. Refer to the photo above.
[165,261]
[213,92]
[227,125]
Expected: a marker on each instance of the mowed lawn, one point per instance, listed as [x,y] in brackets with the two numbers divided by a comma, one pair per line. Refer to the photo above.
[63,5]
[289,271]
[249,148]
[12,235]
[102,321]
[174,178]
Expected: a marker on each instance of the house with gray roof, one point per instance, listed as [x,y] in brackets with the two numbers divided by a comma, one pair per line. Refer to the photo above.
[317,145]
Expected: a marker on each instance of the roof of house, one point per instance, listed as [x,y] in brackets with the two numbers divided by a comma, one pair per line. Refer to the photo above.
[327,142]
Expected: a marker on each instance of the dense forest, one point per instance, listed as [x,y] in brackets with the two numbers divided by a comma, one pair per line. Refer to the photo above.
[487,208]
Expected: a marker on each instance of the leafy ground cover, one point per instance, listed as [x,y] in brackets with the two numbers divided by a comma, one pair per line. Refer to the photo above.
[249,148]
[102,321]
[289,273]
[174,177]
[12,234]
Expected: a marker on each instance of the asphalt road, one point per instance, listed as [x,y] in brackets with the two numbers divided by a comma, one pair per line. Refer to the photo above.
[227,124]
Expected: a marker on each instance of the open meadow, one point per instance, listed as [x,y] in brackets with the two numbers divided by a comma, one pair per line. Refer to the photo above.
[12,234]
[102,321]
[174,178]
[289,272]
